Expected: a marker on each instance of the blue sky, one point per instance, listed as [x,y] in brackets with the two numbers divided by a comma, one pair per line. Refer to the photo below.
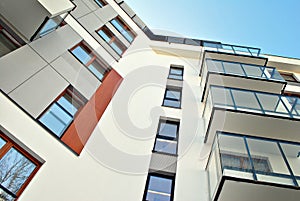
[272,25]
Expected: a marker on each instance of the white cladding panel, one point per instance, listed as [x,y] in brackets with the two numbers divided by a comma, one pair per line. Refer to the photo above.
[14,72]
[76,74]
[38,92]
[56,43]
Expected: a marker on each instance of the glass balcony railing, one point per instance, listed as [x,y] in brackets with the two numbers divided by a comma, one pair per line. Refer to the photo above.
[251,158]
[233,49]
[256,102]
[241,69]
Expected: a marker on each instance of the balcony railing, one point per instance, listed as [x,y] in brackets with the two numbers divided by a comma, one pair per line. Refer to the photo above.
[256,102]
[233,49]
[241,69]
[252,158]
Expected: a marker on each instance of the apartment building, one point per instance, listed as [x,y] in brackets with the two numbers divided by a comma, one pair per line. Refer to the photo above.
[95,106]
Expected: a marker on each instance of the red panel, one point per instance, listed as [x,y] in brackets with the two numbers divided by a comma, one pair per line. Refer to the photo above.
[85,122]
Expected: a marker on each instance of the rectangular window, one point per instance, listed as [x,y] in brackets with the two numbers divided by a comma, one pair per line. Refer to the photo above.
[85,55]
[7,42]
[101,3]
[167,137]
[176,73]
[108,36]
[17,168]
[159,187]
[51,24]
[123,28]
[61,113]
[172,97]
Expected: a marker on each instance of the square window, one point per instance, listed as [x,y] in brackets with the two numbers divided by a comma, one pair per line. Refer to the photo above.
[123,28]
[17,168]
[172,97]
[86,56]
[115,43]
[167,137]
[61,113]
[176,73]
[159,187]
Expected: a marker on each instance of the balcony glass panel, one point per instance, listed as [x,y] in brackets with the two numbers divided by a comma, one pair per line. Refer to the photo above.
[234,157]
[233,49]
[254,101]
[247,70]
[253,158]
[270,165]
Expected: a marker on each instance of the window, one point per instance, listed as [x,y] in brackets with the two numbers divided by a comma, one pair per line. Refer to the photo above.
[159,187]
[172,97]
[51,24]
[85,55]
[101,3]
[17,168]
[289,77]
[176,73]
[123,28]
[111,40]
[61,113]
[167,137]
[7,42]
[242,162]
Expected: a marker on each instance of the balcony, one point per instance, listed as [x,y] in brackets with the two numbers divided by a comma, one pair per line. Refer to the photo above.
[258,169]
[240,75]
[243,111]
[226,52]
[34,18]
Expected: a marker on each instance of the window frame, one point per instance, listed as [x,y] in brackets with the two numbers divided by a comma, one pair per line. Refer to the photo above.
[172,88]
[164,175]
[98,2]
[11,143]
[94,58]
[125,26]
[173,139]
[113,39]
[177,68]
[76,95]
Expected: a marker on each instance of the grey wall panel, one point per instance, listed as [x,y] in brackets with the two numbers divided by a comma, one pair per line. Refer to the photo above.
[91,4]
[81,9]
[106,13]
[175,83]
[14,71]
[91,22]
[106,46]
[127,9]
[77,74]
[37,93]
[26,15]
[167,163]
[56,43]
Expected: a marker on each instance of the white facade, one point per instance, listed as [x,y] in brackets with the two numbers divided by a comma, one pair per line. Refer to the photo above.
[114,163]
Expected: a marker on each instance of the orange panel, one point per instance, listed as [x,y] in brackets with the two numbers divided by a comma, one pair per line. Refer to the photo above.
[85,122]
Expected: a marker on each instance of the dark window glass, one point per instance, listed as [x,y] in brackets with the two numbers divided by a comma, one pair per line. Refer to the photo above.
[62,112]
[101,3]
[159,188]
[85,55]
[16,168]
[111,40]
[7,42]
[176,73]
[172,98]
[288,77]
[166,139]
[123,28]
